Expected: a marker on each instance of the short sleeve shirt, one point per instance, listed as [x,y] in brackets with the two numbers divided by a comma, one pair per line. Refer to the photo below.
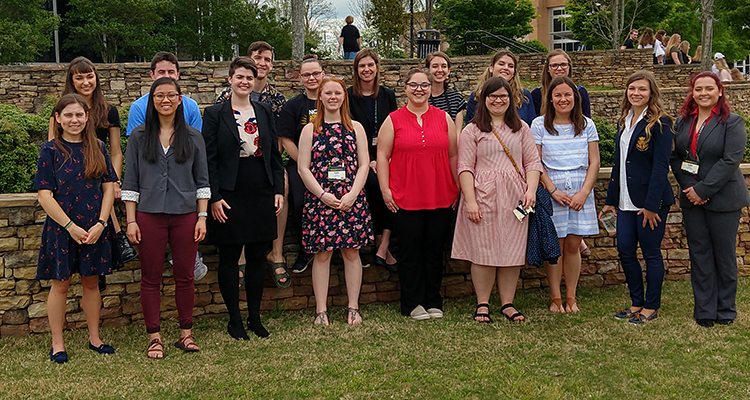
[564,151]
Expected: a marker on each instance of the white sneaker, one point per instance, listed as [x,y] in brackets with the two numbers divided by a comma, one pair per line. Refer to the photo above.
[200,269]
[419,313]
[435,312]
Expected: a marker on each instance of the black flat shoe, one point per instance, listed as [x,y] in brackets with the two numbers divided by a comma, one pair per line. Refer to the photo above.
[128,253]
[61,357]
[102,349]
[725,321]
[381,262]
[706,323]
[237,332]
[257,328]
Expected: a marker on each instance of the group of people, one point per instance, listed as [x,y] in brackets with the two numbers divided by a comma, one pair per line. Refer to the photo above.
[361,171]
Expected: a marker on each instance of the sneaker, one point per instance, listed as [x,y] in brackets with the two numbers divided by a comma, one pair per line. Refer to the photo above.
[127,251]
[419,313]
[200,269]
[303,261]
[626,313]
[639,318]
[435,312]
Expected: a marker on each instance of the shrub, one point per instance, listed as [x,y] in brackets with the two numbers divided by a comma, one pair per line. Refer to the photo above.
[35,125]
[536,45]
[607,134]
[18,157]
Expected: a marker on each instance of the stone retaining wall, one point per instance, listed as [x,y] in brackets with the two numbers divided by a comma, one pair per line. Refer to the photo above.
[23,299]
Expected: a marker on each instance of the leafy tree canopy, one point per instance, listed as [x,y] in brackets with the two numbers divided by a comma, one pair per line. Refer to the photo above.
[511,18]
[25,30]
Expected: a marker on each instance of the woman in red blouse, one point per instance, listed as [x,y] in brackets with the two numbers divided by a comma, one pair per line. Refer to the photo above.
[417,153]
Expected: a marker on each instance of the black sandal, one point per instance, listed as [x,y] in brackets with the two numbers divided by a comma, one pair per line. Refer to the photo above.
[485,315]
[513,317]
[277,277]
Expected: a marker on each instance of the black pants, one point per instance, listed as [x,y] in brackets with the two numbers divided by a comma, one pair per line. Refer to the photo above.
[297,191]
[421,235]
[711,238]
[255,265]
[381,216]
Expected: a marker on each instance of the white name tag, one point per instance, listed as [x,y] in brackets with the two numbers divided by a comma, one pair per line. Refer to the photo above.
[690,167]
[336,174]
[375,141]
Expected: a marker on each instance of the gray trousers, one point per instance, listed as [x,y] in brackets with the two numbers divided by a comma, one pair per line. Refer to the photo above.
[712,238]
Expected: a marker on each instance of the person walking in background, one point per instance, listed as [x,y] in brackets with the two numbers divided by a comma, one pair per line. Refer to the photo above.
[370,103]
[660,47]
[82,78]
[75,184]
[349,39]
[450,101]
[631,40]
[568,146]
[166,194]
[295,114]
[708,148]
[493,183]
[673,50]
[247,192]
[417,173]
[504,64]
[333,163]
[639,193]
[684,50]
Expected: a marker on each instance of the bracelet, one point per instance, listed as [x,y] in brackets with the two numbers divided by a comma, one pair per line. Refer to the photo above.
[553,191]
[322,194]
[68,225]
[202,214]
[131,222]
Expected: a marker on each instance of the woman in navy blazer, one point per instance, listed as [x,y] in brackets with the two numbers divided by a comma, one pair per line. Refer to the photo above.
[708,148]
[247,192]
[639,192]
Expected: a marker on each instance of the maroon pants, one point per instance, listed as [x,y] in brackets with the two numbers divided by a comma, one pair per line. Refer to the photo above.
[156,231]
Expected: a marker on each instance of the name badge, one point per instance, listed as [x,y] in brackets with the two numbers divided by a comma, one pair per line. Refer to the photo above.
[374,140]
[336,173]
[691,167]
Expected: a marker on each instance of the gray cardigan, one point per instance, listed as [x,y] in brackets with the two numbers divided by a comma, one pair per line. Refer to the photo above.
[165,187]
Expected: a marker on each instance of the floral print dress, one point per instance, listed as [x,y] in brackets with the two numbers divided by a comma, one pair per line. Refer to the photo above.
[325,228]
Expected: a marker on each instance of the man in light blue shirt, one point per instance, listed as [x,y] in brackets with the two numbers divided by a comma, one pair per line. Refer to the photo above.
[164,64]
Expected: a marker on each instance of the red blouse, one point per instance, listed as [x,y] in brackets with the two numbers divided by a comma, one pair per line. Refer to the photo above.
[420,171]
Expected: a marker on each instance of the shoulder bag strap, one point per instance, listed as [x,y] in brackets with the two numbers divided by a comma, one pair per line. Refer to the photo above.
[508,153]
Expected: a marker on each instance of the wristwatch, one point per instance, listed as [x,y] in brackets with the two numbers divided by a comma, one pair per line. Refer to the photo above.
[202,214]
[103,222]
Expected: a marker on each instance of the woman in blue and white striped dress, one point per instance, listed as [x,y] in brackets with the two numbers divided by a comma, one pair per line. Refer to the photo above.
[568,145]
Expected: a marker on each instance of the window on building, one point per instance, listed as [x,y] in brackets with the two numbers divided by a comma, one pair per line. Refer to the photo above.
[560,37]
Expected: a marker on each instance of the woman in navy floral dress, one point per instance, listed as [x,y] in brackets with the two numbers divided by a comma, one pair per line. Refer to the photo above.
[75,183]
[333,164]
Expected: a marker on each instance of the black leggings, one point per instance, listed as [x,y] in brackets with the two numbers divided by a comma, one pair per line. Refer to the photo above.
[255,262]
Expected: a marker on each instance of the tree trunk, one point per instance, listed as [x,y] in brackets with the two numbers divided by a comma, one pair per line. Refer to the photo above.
[707,16]
[298,29]
[428,6]
[616,28]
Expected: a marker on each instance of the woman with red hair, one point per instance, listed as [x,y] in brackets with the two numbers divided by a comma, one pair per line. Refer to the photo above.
[708,148]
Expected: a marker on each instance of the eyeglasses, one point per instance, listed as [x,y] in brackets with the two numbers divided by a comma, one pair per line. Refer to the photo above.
[171,96]
[495,97]
[414,85]
[315,75]
[561,65]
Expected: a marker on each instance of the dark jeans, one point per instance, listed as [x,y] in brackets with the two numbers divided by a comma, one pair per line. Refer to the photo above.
[381,215]
[631,233]
[421,235]
[156,231]
[712,238]
[255,262]
[297,191]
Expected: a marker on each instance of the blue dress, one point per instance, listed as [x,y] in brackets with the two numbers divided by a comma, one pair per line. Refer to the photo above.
[81,200]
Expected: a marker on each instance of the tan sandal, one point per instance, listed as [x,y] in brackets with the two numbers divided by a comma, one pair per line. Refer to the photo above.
[185,343]
[571,302]
[155,346]
[558,304]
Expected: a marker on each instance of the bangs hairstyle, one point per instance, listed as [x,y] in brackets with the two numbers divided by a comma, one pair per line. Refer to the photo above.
[99,109]
[689,105]
[576,115]
[439,54]
[181,143]
[93,157]
[516,89]
[655,108]
[356,80]
[547,78]
[243,62]
[483,118]
[346,120]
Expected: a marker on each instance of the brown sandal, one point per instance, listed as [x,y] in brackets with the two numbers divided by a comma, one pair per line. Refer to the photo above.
[155,346]
[571,302]
[558,303]
[185,342]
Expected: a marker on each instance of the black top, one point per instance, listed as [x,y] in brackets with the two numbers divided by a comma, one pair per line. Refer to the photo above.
[449,101]
[371,117]
[295,114]
[629,43]
[113,117]
[350,33]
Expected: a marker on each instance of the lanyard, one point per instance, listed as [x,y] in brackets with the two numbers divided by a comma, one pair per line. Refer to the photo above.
[694,151]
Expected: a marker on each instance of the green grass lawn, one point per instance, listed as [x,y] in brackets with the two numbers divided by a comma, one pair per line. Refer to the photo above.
[586,355]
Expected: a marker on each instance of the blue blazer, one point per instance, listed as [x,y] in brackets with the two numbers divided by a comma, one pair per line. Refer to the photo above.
[647,166]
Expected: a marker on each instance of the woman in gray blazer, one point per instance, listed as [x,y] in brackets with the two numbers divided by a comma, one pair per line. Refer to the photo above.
[708,148]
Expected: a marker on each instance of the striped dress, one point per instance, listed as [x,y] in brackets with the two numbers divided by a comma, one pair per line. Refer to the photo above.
[566,160]
[499,239]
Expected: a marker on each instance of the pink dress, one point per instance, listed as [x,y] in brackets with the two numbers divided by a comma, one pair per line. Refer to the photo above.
[499,239]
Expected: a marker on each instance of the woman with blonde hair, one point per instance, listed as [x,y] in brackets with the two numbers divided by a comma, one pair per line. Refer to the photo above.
[698,54]
[737,75]
[673,50]
[724,74]
[684,49]
[639,192]
[505,65]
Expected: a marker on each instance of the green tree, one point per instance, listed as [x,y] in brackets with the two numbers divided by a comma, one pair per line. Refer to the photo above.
[114,28]
[390,21]
[25,30]
[510,18]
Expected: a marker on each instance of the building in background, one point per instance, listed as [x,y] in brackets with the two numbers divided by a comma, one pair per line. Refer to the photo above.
[549,27]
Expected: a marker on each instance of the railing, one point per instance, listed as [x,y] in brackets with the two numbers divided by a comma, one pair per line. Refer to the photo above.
[483,41]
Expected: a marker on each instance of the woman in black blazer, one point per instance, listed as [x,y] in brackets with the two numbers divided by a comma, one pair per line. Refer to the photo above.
[639,192]
[247,186]
[369,104]
[708,148]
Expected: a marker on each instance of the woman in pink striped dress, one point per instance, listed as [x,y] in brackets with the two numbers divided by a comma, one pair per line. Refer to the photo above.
[487,232]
